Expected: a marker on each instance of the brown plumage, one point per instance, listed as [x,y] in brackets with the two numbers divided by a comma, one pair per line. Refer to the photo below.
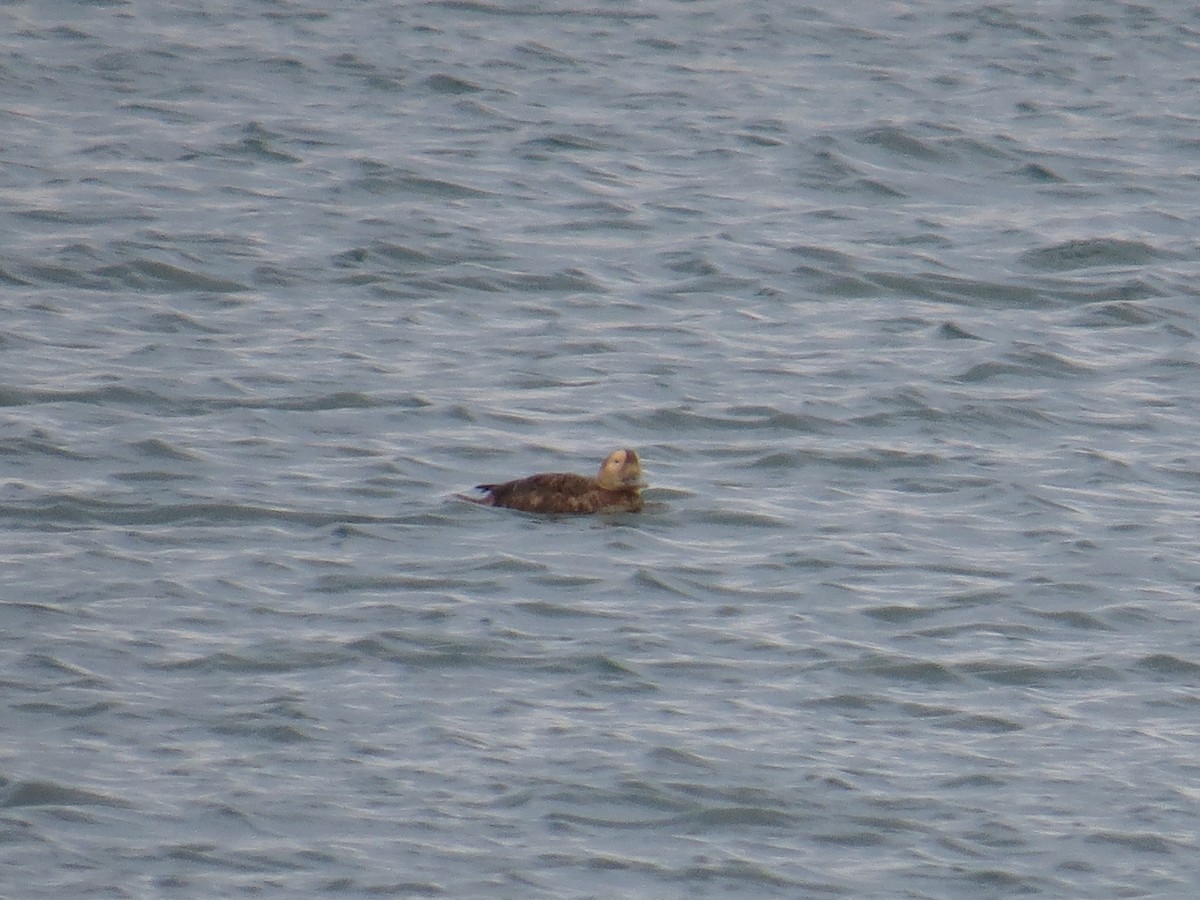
[617,488]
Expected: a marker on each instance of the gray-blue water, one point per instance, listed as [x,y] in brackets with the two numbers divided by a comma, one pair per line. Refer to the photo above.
[898,303]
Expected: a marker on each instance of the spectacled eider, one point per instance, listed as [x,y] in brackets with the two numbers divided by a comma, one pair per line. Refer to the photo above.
[617,488]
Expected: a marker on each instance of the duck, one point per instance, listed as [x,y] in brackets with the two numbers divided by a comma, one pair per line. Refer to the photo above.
[617,487]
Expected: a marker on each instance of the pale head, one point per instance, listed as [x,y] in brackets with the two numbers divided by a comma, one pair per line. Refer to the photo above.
[620,469]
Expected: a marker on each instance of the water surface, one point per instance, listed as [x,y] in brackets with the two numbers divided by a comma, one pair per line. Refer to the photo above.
[897,305]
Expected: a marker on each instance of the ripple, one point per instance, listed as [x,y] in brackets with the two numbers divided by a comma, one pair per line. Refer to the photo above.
[153,275]
[384,179]
[901,142]
[1088,253]
[1031,675]
[1169,665]
[278,657]
[904,669]
[15,794]
[1143,842]
[450,84]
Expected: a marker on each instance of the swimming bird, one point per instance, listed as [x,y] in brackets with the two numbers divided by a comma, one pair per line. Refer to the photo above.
[616,488]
